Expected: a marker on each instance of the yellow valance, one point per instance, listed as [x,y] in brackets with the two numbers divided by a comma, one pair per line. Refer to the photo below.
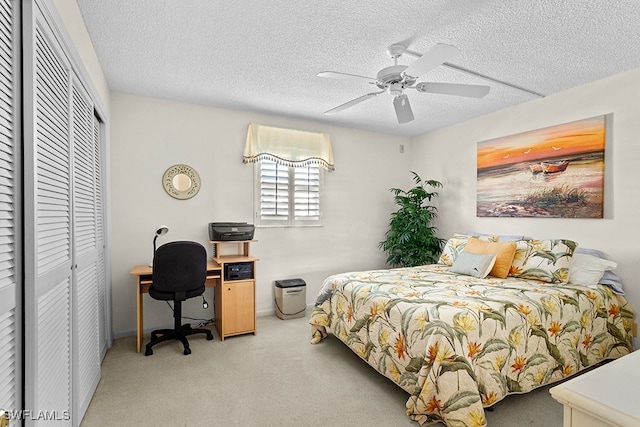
[288,147]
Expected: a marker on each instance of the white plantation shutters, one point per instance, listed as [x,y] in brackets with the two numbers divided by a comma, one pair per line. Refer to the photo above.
[274,191]
[306,193]
[288,195]
[10,319]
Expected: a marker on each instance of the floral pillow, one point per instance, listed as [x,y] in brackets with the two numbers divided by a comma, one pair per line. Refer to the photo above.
[544,260]
[456,244]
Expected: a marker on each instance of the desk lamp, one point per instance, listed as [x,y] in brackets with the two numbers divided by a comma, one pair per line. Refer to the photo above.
[162,230]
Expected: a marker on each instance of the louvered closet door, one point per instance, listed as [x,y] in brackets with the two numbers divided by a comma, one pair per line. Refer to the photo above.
[48,266]
[66,301]
[10,320]
[104,329]
[86,333]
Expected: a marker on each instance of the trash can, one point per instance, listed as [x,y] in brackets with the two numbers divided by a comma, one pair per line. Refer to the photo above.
[291,298]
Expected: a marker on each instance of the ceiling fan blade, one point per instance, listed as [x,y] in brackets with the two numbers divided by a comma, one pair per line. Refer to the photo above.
[436,56]
[351,103]
[345,76]
[471,91]
[403,109]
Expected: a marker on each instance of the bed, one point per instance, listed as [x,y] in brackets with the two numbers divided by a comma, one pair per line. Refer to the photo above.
[459,343]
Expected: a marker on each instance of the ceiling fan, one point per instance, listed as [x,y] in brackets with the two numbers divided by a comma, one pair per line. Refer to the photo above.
[398,78]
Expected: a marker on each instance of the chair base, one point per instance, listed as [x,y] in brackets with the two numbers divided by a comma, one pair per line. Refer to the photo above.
[180,334]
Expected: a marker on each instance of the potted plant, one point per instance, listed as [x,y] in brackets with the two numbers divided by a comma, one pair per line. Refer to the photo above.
[411,239]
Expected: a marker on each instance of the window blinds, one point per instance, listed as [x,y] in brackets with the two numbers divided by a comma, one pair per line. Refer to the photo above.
[288,193]
[274,191]
[306,193]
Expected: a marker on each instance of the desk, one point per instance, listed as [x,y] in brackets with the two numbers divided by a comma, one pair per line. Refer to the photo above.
[605,396]
[143,274]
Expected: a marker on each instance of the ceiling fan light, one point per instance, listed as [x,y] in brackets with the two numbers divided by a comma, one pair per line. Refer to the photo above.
[395,89]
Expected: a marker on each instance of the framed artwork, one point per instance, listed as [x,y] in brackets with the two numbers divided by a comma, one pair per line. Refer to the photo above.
[554,172]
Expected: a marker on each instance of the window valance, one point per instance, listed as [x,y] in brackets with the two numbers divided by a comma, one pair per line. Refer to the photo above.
[288,147]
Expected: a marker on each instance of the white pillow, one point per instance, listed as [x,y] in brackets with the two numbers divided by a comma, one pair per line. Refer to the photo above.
[476,265]
[588,269]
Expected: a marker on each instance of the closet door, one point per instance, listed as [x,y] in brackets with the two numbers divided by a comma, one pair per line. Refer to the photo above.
[104,320]
[86,254]
[66,300]
[10,246]
[48,255]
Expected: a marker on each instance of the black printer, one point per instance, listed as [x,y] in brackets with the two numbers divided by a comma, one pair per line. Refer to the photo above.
[230,231]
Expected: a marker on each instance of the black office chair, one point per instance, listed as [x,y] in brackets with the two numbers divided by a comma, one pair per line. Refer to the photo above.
[179,273]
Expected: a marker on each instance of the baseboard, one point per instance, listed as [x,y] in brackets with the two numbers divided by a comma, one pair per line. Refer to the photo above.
[263,313]
[132,332]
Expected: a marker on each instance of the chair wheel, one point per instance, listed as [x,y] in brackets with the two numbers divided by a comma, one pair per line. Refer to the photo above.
[148,352]
[209,337]
[187,351]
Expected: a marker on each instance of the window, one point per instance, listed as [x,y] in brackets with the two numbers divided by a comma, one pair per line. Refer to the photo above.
[288,174]
[287,195]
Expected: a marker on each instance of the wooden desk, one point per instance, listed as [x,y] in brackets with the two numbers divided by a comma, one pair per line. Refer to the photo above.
[143,274]
[606,396]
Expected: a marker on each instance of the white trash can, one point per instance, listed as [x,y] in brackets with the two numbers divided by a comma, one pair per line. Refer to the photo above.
[291,298]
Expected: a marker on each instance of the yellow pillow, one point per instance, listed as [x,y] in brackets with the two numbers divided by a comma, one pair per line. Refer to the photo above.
[504,252]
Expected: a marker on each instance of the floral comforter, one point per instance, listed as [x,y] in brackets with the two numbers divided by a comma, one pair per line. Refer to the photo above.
[458,344]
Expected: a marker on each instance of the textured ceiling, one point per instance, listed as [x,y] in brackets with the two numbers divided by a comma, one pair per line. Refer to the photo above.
[264,56]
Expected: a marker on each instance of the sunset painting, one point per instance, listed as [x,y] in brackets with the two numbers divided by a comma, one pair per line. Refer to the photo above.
[555,172]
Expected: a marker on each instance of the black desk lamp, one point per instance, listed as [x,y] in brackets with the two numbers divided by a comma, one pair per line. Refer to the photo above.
[163,229]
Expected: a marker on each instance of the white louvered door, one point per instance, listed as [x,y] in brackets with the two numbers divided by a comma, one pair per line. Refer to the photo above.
[48,205]
[66,300]
[104,330]
[10,245]
[86,334]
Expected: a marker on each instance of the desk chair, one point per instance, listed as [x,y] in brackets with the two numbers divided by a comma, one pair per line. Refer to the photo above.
[179,273]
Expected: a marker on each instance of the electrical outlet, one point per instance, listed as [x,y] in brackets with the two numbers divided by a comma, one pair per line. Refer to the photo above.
[401,148]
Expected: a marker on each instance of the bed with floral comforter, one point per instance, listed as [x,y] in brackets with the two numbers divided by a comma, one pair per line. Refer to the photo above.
[458,344]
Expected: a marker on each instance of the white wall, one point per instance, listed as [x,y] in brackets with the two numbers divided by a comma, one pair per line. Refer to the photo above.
[148,135]
[449,155]
[70,22]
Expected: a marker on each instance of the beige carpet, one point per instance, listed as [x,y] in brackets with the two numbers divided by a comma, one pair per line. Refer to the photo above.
[275,378]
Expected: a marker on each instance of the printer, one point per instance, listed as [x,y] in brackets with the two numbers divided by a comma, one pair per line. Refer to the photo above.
[230,231]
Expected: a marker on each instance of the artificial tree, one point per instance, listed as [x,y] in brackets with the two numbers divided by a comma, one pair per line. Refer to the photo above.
[411,239]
